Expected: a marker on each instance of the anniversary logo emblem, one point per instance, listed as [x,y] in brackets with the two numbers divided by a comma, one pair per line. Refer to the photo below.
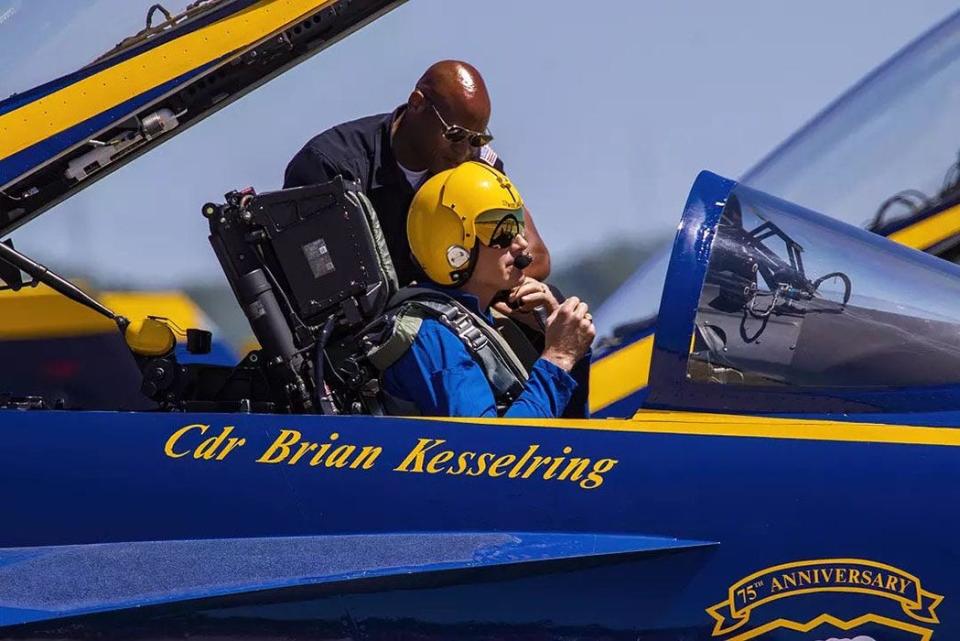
[855,598]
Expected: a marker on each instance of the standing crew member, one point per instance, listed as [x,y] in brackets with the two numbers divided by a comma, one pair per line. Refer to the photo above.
[442,124]
[441,355]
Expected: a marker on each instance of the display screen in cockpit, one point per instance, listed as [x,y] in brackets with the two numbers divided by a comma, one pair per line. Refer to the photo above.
[791,297]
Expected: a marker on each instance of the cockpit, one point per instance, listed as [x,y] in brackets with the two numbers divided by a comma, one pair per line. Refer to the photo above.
[766,307]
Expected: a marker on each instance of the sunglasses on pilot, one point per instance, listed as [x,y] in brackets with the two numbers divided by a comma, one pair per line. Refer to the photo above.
[498,228]
[456,133]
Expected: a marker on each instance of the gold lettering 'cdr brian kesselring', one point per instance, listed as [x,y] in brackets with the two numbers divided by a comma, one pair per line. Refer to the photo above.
[428,456]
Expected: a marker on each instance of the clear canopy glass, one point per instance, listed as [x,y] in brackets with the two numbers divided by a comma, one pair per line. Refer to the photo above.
[791,297]
[895,130]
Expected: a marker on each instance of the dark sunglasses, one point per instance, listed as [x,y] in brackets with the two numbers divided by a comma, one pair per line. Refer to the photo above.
[456,133]
[498,228]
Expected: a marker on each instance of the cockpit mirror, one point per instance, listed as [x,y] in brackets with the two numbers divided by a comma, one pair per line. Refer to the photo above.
[10,275]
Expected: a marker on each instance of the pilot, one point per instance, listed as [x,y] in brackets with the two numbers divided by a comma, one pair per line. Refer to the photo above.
[443,356]
[442,124]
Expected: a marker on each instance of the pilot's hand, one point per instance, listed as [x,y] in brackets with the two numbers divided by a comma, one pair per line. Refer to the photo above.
[569,334]
[524,298]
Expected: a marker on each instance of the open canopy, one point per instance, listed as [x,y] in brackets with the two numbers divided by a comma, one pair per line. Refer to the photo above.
[894,130]
[61,136]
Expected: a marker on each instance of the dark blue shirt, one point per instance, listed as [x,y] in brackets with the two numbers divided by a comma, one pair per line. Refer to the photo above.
[440,377]
[360,151]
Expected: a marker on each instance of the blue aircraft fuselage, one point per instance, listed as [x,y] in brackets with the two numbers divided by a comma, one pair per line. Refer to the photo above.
[670,512]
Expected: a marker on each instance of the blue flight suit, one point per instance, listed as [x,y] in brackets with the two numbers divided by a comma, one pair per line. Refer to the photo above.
[440,377]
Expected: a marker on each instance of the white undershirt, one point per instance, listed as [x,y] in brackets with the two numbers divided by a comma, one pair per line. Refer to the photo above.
[413,177]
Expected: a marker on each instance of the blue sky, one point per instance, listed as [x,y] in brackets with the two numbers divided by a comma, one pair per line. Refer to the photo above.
[603,112]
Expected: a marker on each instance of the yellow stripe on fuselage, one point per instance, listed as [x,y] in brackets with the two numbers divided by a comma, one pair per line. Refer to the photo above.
[36,121]
[620,374]
[930,231]
[733,425]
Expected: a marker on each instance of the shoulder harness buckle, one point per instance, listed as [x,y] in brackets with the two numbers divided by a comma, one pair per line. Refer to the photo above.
[464,327]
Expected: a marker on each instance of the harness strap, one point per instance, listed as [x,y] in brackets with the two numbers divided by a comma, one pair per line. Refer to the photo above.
[503,370]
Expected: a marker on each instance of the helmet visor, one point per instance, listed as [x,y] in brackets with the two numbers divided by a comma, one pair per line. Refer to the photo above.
[498,227]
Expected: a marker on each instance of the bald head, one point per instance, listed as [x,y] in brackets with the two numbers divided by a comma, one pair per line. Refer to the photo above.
[449,94]
[458,91]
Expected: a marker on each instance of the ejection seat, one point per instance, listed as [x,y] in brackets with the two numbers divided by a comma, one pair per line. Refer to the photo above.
[310,268]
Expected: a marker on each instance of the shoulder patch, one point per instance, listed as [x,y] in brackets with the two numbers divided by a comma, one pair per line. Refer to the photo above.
[488,155]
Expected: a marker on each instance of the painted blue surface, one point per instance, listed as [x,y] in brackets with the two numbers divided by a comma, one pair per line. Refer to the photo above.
[82,579]
[87,477]
[616,597]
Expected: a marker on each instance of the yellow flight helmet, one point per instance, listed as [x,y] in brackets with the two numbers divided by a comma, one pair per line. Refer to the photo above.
[455,209]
